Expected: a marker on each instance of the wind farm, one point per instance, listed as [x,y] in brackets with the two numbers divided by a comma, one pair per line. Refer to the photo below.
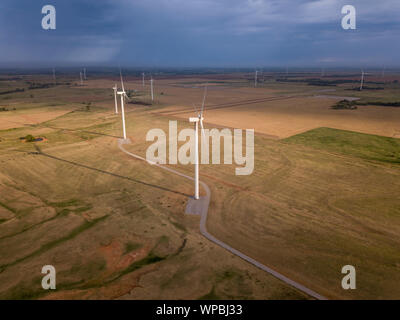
[209,157]
[151,203]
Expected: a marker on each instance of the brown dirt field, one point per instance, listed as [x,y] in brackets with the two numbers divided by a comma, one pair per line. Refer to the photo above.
[284,118]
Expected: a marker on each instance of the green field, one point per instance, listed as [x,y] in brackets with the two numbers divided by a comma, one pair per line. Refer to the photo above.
[365,146]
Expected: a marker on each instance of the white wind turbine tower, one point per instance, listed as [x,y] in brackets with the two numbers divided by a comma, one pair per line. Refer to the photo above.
[115,88]
[196,121]
[362,79]
[80,75]
[84,73]
[123,96]
[255,79]
[152,88]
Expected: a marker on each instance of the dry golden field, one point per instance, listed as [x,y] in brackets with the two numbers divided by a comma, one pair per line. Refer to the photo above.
[114,227]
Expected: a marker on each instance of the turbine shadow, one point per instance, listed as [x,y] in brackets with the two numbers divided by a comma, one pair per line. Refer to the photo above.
[84,131]
[40,152]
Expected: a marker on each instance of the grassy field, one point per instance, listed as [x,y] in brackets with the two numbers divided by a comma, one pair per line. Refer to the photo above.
[115,228]
[365,146]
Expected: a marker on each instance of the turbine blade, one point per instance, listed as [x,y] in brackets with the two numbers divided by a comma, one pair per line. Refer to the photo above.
[202,129]
[122,81]
[204,101]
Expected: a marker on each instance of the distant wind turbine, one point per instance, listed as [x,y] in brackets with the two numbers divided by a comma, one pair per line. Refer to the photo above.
[84,73]
[152,88]
[363,74]
[196,120]
[143,80]
[80,75]
[362,80]
[255,79]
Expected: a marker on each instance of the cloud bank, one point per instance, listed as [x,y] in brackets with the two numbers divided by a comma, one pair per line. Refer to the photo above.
[201,33]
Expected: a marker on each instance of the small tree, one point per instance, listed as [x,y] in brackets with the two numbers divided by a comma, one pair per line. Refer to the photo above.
[30,138]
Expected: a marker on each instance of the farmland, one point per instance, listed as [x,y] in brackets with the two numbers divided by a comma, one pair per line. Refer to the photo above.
[324,192]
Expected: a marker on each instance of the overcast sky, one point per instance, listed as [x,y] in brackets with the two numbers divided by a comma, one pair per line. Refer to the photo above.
[195,33]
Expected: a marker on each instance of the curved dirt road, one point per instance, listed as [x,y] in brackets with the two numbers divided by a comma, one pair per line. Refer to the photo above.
[206,234]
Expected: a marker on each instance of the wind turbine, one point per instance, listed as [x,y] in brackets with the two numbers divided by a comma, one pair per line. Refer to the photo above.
[84,73]
[152,88]
[143,80]
[80,75]
[123,96]
[363,74]
[362,80]
[255,79]
[196,121]
[115,98]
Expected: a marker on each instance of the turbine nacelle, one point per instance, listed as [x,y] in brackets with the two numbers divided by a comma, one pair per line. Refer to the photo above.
[196,119]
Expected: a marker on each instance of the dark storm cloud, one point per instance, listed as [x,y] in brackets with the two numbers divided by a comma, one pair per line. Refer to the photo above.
[201,32]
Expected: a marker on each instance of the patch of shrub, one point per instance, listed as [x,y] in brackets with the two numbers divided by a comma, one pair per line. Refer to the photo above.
[13,91]
[30,138]
[377,103]
[366,88]
[345,105]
